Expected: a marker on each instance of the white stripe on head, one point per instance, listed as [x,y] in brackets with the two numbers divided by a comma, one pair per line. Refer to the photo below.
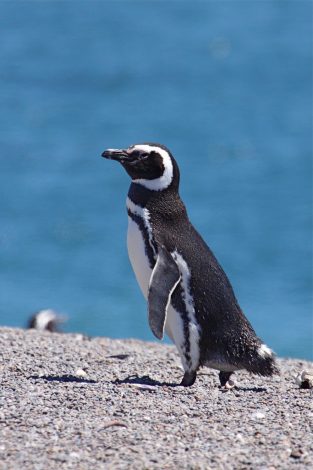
[163,182]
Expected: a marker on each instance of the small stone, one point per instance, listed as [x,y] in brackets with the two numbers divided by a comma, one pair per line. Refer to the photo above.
[80,373]
[239,438]
[115,423]
[258,415]
[143,386]
[296,453]
[79,337]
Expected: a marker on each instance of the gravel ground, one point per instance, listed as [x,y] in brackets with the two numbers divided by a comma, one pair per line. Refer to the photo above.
[72,402]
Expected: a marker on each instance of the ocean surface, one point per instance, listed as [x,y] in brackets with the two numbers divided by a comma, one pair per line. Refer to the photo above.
[227,86]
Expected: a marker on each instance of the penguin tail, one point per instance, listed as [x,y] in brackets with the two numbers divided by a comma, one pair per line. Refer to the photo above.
[262,361]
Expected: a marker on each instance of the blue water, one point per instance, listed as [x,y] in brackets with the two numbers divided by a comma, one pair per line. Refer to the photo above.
[227,86]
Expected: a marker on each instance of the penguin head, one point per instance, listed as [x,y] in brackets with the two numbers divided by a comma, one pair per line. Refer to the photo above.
[150,165]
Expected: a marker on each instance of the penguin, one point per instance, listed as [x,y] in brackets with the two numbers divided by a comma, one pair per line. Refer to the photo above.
[46,320]
[188,294]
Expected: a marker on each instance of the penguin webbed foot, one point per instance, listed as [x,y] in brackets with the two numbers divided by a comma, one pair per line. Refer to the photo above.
[188,379]
[226,384]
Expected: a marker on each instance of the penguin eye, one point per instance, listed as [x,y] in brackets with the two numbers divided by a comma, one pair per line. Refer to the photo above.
[144,156]
[136,157]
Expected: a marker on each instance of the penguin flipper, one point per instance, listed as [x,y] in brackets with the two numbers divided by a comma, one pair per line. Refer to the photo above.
[164,278]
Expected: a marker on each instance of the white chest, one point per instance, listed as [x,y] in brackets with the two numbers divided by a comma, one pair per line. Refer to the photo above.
[138,257]
[174,326]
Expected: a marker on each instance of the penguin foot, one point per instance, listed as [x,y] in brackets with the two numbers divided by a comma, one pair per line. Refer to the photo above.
[230,384]
[224,380]
[188,379]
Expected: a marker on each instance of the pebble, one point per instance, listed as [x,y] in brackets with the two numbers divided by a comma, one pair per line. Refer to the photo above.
[143,386]
[114,423]
[258,415]
[80,373]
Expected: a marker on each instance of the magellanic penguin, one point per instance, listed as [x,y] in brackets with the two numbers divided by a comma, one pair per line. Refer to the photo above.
[189,295]
[46,320]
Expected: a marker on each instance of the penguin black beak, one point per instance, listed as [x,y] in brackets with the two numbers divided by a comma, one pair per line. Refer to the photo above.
[119,155]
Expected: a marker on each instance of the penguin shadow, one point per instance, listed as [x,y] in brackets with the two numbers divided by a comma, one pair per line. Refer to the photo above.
[250,389]
[146,380]
[121,357]
[143,380]
[62,379]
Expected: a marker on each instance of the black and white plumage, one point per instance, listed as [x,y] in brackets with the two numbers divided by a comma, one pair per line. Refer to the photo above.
[46,320]
[189,295]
